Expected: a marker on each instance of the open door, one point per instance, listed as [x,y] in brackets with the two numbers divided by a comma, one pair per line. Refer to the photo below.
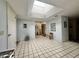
[43,29]
[40,28]
[74,29]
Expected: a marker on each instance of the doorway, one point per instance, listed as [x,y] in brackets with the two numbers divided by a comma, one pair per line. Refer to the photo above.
[43,29]
[74,29]
[40,29]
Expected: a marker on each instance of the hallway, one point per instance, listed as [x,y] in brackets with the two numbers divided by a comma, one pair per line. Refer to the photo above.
[25,19]
[42,47]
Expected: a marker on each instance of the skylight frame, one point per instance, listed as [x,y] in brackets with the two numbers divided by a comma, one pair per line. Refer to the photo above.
[44,8]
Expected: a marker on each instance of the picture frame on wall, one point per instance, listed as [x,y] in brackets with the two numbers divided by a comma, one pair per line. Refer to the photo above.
[53,26]
[65,24]
[24,25]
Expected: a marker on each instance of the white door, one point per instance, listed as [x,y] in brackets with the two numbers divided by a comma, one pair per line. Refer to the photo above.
[11,29]
[3,24]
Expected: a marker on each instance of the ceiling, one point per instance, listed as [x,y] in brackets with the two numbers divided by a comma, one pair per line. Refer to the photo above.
[69,6]
[23,8]
[41,8]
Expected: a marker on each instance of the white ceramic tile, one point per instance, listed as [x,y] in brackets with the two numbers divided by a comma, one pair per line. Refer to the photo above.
[42,47]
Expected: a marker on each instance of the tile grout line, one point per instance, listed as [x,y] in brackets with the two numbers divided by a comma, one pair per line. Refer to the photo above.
[70,52]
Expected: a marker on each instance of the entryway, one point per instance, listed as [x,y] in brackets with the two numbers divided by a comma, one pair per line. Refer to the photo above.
[74,29]
[40,29]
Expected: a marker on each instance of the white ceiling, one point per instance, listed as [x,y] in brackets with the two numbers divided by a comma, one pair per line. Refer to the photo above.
[69,6]
[23,8]
[40,9]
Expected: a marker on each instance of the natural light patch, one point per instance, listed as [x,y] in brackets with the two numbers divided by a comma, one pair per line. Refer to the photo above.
[41,8]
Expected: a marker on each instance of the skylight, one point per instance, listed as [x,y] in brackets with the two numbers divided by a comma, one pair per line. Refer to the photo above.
[41,8]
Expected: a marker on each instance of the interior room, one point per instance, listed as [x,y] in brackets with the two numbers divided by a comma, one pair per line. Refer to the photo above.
[39,28]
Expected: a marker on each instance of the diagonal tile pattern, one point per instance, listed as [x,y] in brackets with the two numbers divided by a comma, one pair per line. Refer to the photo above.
[43,47]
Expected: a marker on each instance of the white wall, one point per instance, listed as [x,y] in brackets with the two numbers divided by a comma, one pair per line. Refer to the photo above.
[11,28]
[3,26]
[61,33]
[58,33]
[22,32]
[65,30]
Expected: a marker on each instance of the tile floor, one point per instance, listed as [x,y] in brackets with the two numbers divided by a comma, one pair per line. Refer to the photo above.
[42,47]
